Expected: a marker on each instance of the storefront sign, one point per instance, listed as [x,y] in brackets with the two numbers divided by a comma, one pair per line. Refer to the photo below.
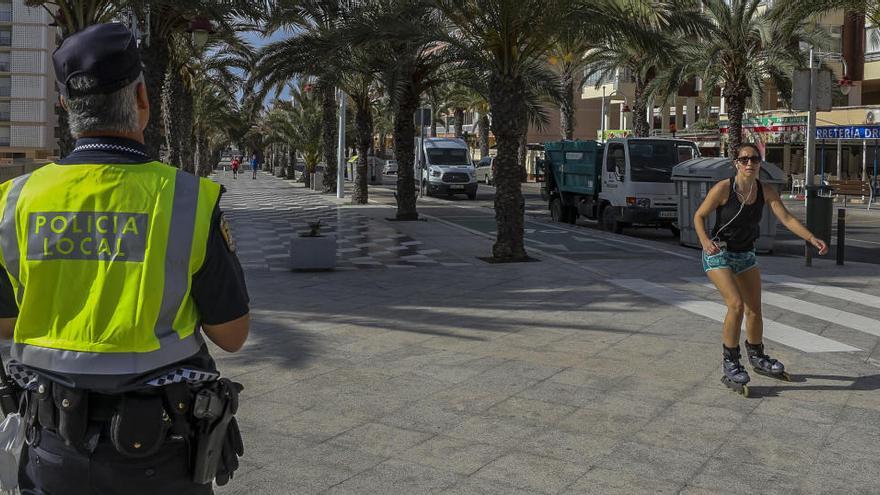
[848,132]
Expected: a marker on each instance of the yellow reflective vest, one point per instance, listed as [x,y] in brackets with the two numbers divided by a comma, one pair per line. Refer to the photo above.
[101,259]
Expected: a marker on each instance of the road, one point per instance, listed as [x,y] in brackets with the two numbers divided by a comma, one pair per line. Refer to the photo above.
[862,228]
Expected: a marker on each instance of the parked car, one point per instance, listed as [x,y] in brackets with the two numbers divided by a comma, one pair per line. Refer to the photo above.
[485,170]
[390,167]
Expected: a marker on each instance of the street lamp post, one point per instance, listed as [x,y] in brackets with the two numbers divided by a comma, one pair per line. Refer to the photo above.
[340,168]
[603,115]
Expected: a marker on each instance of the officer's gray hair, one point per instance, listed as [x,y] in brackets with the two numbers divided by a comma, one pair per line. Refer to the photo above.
[112,112]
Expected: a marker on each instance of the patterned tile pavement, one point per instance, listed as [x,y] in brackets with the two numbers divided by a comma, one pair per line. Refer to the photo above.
[265,213]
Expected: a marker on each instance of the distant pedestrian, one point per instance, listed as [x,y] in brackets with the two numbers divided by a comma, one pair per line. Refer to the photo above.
[254,164]
[730,263]
[235,165]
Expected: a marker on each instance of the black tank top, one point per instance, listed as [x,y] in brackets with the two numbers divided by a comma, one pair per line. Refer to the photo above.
[742,233]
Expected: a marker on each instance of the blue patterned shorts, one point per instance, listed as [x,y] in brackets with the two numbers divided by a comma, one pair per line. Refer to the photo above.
[736,262]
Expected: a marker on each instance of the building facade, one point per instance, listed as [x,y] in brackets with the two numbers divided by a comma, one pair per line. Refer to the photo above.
[27,91]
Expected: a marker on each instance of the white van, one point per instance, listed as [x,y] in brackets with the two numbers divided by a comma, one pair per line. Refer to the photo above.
[446,167]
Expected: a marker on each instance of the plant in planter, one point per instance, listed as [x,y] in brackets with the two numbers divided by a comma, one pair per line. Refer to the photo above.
[312,250]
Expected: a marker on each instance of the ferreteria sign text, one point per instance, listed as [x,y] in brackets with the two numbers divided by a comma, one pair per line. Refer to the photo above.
[848,132]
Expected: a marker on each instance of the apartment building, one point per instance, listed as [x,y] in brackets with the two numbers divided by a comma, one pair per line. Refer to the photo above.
[848,136]
[27,83]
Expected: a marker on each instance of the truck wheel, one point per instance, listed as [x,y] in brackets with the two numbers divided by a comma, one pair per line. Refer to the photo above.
[472,196]
[610,222]
[556,210]
[676,232]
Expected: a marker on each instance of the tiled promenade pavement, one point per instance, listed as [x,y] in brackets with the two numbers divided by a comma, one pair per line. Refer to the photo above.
[532,378]
[265,214]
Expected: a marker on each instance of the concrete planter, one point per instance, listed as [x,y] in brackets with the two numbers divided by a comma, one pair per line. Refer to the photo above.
[313,253]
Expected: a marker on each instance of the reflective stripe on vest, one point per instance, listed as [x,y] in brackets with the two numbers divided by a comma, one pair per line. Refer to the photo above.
[175,327]
[9,234]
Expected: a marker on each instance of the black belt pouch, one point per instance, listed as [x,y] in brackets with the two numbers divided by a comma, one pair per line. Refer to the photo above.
[72,406]
[140,425]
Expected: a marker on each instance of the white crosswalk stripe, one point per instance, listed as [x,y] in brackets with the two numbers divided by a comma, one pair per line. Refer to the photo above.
[777,332]
[826,290]
[818,311]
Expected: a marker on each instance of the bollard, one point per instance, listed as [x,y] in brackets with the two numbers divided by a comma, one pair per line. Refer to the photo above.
[841,234]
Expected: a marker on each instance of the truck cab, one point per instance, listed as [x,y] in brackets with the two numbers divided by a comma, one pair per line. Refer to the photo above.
[446,167]
[622,183]
[637,187]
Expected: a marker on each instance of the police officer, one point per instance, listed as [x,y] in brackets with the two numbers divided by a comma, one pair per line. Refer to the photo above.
[114,267]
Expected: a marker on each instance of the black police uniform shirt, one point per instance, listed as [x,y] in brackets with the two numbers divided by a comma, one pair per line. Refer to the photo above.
[218,288]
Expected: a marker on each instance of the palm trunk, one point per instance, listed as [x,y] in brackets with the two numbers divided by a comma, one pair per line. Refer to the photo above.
[155,60]
[404,144]
[736,107]
[187,139]
[484,135]
[506,96]
[329,135]
[172,89]
[364,123]
[566,108]
[521,155]
[640,110]
[433,127]
[382,143]
[459,122]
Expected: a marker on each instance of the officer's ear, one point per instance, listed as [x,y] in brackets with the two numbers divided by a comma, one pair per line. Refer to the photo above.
[143,102]
[143,105]
[63,102]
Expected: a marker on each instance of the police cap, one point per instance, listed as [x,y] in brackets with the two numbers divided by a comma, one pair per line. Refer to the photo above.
[106,52]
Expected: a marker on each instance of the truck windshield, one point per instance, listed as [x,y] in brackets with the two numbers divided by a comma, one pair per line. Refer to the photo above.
[447,156]
[652,161]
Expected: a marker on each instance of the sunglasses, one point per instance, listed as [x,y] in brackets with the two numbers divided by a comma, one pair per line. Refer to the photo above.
[746,159]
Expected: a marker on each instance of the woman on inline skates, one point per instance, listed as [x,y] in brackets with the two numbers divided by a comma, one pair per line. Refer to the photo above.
[729,261]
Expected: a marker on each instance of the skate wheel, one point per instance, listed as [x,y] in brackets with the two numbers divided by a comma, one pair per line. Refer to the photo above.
[745,391]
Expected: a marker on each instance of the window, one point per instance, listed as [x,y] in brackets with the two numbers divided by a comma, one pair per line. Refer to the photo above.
[4,136]
[4,61]
[5,37]
[5,86]
[616,159]
[652,161]
[872,44]
[447,156]
[834,43]
[685,152]
[5,11]
[5,113]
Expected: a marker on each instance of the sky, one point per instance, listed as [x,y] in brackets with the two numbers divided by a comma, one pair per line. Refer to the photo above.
[258,41]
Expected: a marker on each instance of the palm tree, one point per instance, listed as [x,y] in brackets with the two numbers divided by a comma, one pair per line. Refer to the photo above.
[162,19]
[313,50]
[306,127]
[505,45]
[647,47]
[402,37]
[745,48]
